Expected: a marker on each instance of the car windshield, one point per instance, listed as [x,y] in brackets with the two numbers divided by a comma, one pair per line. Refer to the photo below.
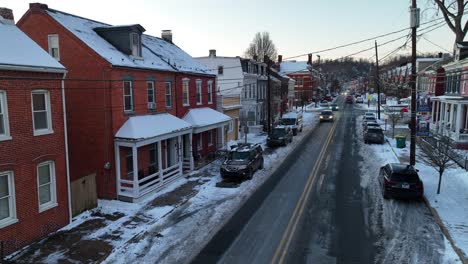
[369,118]
[410,178]
[288,121]
[334,105]
[375,130]
[239,155]
[326,113]
[278,132]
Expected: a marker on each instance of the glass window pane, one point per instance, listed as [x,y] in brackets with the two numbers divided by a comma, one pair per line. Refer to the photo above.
[4,208]
[44,194]
[40,120]
[39,102]
[44,174]
[128,103]
[4,186]
[2,125]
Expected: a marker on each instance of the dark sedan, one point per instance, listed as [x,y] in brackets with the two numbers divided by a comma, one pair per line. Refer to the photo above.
[326,116]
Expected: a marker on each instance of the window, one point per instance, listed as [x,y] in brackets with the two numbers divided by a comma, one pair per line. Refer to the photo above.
[129,163]
[210,92]
[153,158]
[7,199]
[210,138]
[250,90]
[151,96]
[245,91]
[230,126]
[46,185]
[54,46]
[200,142]
[185,92]
[135,44]
[128,96]
[41,112]
[220,70]
[199,92]
[4,125]
[168,94]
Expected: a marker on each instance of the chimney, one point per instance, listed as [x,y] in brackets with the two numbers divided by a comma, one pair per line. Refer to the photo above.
[212,53]
[167,35]
[7,15]
[280,58]
[440,55]
[38,6]
[309,58]
[255,58]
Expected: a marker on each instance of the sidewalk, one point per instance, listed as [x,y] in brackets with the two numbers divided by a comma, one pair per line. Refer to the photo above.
[450,207]
[170,226]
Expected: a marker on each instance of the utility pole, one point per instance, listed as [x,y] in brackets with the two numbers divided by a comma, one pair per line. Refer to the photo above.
[414,20]
[267,60]
[377,80]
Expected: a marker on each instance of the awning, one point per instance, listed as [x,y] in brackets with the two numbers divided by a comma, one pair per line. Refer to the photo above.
[204,119]
[152,126]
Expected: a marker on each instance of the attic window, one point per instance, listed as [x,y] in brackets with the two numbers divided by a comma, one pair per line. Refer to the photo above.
[54,46]
[220,70]
[135,44]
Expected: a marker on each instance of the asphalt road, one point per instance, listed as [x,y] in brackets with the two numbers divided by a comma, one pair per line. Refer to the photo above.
[312,210]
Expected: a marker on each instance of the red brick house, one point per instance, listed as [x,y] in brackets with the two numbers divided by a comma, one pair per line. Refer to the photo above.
[128,94]
[34,181]
[301,72]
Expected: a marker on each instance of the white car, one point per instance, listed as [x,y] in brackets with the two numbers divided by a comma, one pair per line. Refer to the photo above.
[359,100]
[369,114]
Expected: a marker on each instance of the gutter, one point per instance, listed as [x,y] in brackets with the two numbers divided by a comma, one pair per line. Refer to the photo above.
[67,161]
[31,68]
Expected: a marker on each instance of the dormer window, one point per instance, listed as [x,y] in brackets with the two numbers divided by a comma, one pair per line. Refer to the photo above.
[135,44]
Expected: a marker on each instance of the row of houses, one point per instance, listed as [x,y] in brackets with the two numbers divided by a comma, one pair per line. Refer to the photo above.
[90,110]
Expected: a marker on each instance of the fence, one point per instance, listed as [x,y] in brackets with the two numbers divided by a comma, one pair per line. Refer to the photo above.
[458,158]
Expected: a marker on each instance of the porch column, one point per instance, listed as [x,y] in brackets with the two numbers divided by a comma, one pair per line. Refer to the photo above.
[222,137]
[180,155]
[452,116]
[192,164]
[466,117]
[459,119]
[117,166]
[160,168]
[433,111]
[442,117]
[437,119]
[136,189]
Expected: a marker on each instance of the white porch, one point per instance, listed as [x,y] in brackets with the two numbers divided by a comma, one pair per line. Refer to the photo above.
[150,152]
[450,118]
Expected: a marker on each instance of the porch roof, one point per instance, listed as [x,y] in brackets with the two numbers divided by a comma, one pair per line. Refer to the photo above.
[151,126]
[449,97]
[203,119]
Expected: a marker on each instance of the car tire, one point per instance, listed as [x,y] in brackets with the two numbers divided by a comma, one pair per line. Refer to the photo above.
[385,195]
[262,165]
[249,174]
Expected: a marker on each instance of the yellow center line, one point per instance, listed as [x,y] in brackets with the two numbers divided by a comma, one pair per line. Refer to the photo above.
[299,208]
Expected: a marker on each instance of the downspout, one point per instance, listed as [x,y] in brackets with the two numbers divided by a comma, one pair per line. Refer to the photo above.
[67,162]
[175,93]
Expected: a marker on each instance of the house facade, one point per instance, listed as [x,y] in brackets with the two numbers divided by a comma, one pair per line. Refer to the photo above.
[305,86]
[132,97]
[34,179]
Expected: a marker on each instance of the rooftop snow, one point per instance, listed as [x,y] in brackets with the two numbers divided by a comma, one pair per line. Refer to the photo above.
[157,54]
[17,49]
[149,126]
[293,66]
[204,117]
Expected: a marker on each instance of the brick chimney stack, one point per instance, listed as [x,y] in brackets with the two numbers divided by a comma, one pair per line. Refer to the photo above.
[309,58]
[6,14]
[167,35]
[38,6]
[212,53]
[280,58]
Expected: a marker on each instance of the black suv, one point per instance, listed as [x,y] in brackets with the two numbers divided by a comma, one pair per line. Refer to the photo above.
[374,134]
[280,135]
[400,181]
[242,161]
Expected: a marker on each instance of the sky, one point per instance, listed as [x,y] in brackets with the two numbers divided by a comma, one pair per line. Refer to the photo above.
[295,26]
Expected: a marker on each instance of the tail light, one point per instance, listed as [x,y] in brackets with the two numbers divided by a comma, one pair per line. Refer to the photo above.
[391,183]
[419,185]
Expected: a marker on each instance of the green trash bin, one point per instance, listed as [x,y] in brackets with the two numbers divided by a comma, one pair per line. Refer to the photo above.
[400,141]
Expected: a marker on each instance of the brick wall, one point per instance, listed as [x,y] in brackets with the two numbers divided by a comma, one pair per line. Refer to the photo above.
[25,151]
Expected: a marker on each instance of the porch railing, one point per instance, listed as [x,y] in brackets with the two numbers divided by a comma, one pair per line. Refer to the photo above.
[186,164]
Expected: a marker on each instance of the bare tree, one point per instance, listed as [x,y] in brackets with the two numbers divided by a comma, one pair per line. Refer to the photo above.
[393,118]
[438,156]
[453,11]
[261,46]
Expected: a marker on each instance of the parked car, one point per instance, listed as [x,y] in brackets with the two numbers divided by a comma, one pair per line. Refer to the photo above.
[368,119]
[374,134]
[328,98]
[280,136]
[370,125]
[366,114]
[400,181]
[242,161]
[334,107]
[349,99]
[293,120]
[324,103]
[359,100]
[327,116]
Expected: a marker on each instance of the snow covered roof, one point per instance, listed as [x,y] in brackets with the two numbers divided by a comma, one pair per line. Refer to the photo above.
[294,66]
[17,50]
[203,119]
[157,53]
[150,126]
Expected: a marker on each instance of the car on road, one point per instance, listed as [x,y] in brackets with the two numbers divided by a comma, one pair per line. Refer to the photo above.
[400,181]
[327,116]
[324,103]
[328,98]
[349,99]
[359,100]
[280,136]
[242,161]
[293,120]
[334,107]
[374,135]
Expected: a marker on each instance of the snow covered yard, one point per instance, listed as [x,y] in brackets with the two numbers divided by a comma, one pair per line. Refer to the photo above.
[170,226]
[406,231]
